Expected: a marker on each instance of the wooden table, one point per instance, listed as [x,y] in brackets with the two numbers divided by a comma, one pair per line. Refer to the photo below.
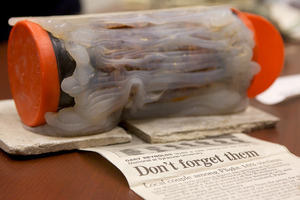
[87,175]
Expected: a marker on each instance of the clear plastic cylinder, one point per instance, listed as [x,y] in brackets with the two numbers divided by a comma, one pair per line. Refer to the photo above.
[164,63]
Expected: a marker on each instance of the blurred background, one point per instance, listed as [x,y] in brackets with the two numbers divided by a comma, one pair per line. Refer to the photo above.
[284,14]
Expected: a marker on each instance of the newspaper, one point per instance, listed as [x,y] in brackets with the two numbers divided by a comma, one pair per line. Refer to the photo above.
[233,166]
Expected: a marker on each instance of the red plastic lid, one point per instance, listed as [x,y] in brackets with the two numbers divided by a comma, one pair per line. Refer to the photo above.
[268,52]
[33,74]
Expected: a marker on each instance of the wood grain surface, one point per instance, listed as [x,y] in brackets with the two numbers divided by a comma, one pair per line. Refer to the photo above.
[87,175]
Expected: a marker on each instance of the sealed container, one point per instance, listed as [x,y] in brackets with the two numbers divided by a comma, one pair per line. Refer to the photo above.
[81,75]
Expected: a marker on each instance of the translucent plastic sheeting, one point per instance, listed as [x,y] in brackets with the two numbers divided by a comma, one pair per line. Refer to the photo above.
[187,61]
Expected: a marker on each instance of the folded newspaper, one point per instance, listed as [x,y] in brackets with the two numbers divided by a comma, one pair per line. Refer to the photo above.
[232,166]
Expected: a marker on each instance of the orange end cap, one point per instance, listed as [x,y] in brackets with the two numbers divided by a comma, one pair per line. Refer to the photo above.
[268,52]
[33,74]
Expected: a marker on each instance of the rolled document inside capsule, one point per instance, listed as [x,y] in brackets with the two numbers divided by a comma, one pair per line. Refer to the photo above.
[83,74]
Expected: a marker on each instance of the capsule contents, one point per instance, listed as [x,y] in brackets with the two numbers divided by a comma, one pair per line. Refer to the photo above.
[164,63]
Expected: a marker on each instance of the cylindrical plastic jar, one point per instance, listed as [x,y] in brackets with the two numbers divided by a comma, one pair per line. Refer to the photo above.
[81,75]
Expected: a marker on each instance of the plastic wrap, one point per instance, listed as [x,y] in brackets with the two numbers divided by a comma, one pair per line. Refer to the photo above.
[168,63]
